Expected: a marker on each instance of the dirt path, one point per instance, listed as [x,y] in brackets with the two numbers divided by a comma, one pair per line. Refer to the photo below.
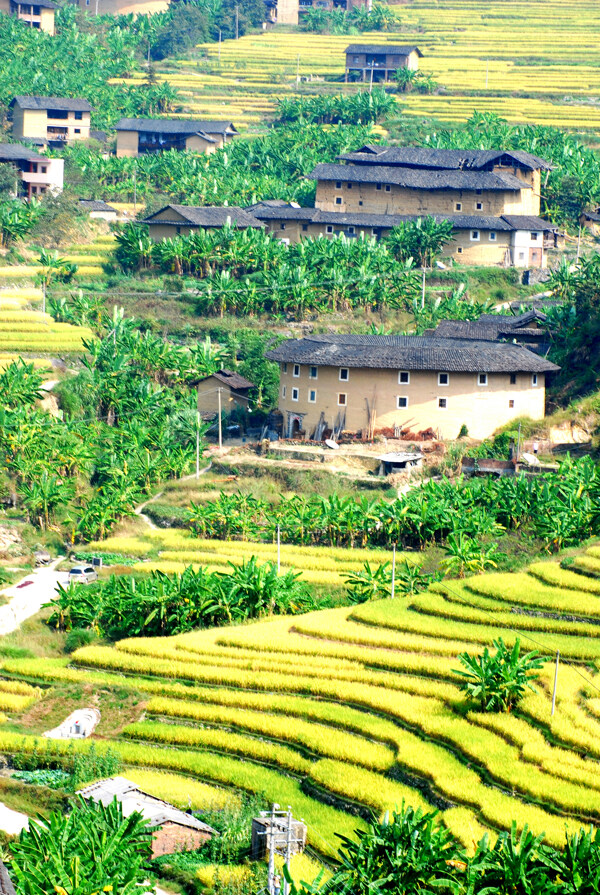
[139,510]
[27,596]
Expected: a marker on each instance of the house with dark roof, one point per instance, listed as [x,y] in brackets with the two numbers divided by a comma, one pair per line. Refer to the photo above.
[530,329]
[37,173]
[38,14]
[508,240]
[290,12]
[50,119]
[175,220]
[366,383]
[379,62]
[137,136]
[98,209]
[225,390]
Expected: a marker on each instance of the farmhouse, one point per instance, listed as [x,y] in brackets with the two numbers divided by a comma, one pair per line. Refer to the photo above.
[137,136]
[591,221]
[38,174]
[289,12]
[379,62]
[98,209]
[176,830]
[362,383]
[50,119]
[225,390]
[123,7]
[531,329]
[39,14]
[173,220]
[508,240]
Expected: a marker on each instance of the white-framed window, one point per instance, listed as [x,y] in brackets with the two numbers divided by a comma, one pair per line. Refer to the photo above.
[338,200]
[329,228]
[344,374]
[534,379]
[459,250]
[492,236]
[511,404]
[474,235]
[296,371]
[388,188]
[478,206]
[534,237]
[443,403]
[350,230]
[284,368]
[443,378]
[342,399]
[338,184]
[313,372]
[482,379]
[404,377]
[401,402]
[295,394]
[283,391]
[458,206]
[312,396]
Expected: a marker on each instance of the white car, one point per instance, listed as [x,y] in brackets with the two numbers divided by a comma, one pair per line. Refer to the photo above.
[82,575]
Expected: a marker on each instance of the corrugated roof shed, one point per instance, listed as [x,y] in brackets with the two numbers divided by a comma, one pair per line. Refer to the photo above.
[419,178]
[51,103]
[410,353]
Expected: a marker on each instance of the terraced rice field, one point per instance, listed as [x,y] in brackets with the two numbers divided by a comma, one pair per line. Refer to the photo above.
[529,62]
[348,711]
[25,330]
[89,258]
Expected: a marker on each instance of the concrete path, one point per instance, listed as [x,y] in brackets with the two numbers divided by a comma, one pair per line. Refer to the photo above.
[27,596]
[139,510]
[12,822]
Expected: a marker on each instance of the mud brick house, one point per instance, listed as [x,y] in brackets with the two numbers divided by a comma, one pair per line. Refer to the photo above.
[137,136]
[50,119]
[175,830]
[379,62]
[122,7]
[39,14]
[530,329]
[175,220]
[38,174]
[290,12]
[225,389]
[362,383]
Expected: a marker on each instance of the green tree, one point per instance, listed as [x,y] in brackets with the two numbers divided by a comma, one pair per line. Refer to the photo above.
[422,240]
[497,683]
[186,26]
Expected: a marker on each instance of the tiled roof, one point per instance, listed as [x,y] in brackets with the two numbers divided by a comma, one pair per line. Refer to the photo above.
[390,49]
[491,327]
[175,126]
[410,353]
[233,380]
[206,216]
[51,103]
[96,205]
[448,159]
[418,178]
[14,152]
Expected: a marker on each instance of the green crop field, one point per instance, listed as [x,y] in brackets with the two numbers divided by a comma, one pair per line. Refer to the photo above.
[357,708]
[528,62]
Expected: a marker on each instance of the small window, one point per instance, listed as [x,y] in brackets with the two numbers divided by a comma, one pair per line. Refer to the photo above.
[404,377]
[360,202]
[329,228]
[458,206]
[534,380]
[521,256]
[284,368]
[296,372]
[459,250]
[350,230]
[342,399]
[338,184]
[77,130]
[443,379]
[511,404]
[534,237]
[349,185]
[338,200]
[282,227]
[284,391]
[478,192]
[482,379]
[304,227]
[78,116]
[442,403]
[492,236]
[378,187]
[45,167]
[313,373]
[295,394]
[401,401]
[388,188]
[474,235]
[478,206]
[312,396]
[513,378]
[344,374]
[177,230]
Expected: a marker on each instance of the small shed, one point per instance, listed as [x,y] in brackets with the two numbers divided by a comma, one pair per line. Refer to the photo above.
[591,220]
[226,389]
[98,209]
[399,461]
[175,831]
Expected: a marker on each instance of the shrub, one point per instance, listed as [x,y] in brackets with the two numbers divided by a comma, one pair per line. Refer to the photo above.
[499,682]
[78,637]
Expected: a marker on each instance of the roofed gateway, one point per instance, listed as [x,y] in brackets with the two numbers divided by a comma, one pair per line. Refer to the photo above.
[366,383]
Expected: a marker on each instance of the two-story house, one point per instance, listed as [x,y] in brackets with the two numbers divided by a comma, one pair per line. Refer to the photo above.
[137,136]
[365,383]
[38,14]
[290,12]
[379,62]
[50,119]
[38,174]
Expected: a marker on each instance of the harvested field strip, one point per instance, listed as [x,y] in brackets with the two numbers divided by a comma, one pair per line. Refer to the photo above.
[180,791]
[526,590]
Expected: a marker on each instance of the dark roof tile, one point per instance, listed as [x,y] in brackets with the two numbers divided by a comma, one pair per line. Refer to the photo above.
[419,179]
[51,103]
[390,49]
[14,152]
[175,126]
[446,159]
[206,216]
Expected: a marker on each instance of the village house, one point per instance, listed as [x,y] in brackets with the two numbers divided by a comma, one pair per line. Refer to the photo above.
[176,830]
[50,119]
[38,174]
[508,240]
[530,329]
[175,220]
[591,221]
[365,383]
[137,136]
[224,390]
[379,62]
[289,12]
[122,7]
[97,209]
[39,14]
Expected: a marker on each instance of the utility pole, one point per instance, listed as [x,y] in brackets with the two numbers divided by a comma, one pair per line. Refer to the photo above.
[220,423]
[278,548]
[288,849]
[43,296]
[423,290]
[393,570]
[198,434]
[237,22]
[371,84]
[134,186]
[219,46]
[298,69]
[271,846]
[555,682]
[579,242]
